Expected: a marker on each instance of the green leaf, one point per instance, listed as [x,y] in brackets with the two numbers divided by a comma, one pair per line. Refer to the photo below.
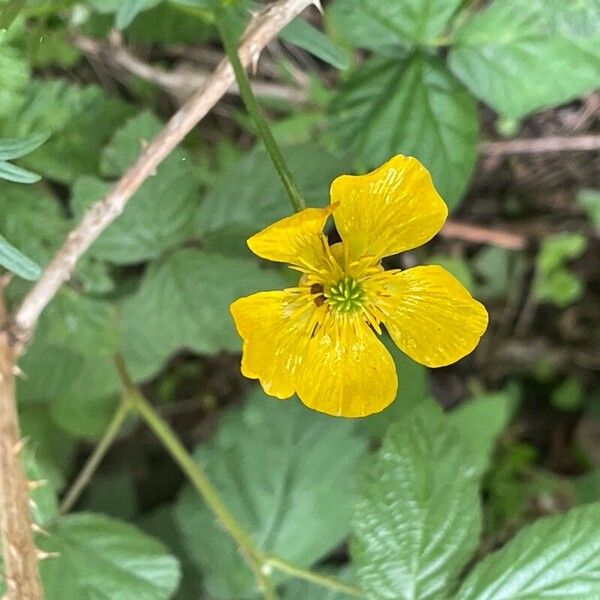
[16,262]
[14,76]
[129,9]
[183,302]
[286,473]
[381,26]
[98,557]
[412,389]
[589,200]
[11,172]
[160,213]
[568,396]
[15,148]
[81,121]
[248,195]
[556,557]
[301,590]
[309,38]
[524,55]
[479,422]
[417,519]
[410,106]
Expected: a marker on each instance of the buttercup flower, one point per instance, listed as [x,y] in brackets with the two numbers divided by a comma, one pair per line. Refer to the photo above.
[319,339]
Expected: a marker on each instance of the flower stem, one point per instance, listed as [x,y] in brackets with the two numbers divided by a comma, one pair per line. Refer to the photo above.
[253,108]
[196,477]
[95,458]
[261,564]
[322,580]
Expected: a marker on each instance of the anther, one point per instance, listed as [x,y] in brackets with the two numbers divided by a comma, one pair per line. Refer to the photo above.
[316,288]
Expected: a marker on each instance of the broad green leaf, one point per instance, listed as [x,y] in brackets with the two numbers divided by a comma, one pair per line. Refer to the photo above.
[14,75]
[410,106]
[287,474]
[99,558]
[309,38]
[81,120]
[11,172]
[381,26]
[479,422]
[158,216]
[16,262]
[586,488]
[589,200]
[412,389]
[248,195]
[129,9]
[556,557]
[183,302]
[417,519]
[15,148]
[524,55]
[569,395]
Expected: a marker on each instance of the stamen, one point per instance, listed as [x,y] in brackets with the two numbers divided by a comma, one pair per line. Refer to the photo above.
[346,295]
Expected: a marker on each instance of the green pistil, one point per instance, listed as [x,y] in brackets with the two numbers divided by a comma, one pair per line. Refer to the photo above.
[345,296]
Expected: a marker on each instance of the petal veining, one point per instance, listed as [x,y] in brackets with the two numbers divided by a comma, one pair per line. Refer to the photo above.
[429,314]
[389,210]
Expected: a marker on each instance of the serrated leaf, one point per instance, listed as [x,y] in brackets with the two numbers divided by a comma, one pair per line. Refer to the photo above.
[410,106]
[15,261]
[286,473]
[15,148]
[81,120]
[418,516]
[479,422]
[556,557]
[309,38]
[381,26]
[524,55]
[233,211]
[98,557]
[10,172]
[149,224]
[183,302]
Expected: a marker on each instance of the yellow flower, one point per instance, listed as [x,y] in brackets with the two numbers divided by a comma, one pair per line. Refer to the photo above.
[318,339]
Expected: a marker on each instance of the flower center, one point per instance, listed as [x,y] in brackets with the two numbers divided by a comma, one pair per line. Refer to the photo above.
[345,296]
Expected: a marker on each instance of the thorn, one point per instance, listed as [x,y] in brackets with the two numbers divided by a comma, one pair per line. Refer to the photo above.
[44,555]
[254,56]
[34,485]
[19,446]
[18,372]
[318,4]
[37,529]
[33,507]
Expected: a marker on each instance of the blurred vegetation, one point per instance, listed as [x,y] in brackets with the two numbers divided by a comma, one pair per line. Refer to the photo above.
[448,81]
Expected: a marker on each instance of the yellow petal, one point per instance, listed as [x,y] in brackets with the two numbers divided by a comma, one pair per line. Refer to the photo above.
[392,209]
[297,240]
[347,372]
[429,314]
[275,337]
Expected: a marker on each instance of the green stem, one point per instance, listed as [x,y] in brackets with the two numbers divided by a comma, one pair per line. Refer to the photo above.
[253,108]
[95,458]
[197,478]
[322,580]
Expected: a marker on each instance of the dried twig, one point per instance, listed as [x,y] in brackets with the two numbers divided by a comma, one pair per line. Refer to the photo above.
[99,216]
[541,145]
[483,235]
[182,82]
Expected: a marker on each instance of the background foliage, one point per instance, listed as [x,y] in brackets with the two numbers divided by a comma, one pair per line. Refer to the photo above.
[470,502]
